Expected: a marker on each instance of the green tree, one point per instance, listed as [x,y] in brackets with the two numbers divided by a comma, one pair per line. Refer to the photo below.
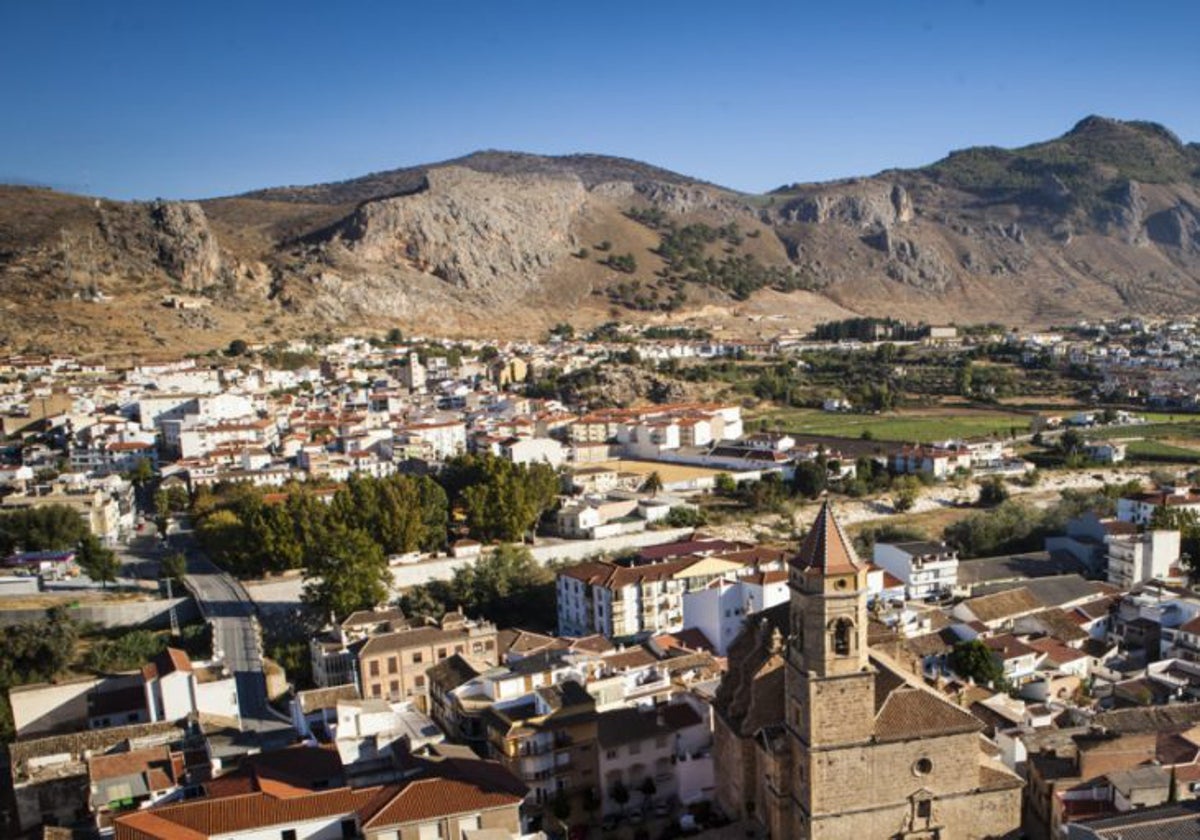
[174,565]
[46,528]
[1070,442]
[162,510]
[973,660]
[619,794]
[237,347]
[648,789]
[225,540]
[905,491]
[501,500]
[142,472]
[97,561]
[653,484]
[684,516]
[993,492]
[724,485]
[349,573]
[507,587]
[810,478]
[395,336]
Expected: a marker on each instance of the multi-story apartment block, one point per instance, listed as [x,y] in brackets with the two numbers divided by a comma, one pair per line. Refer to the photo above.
[719,610]
[646,752]
[436,441]
[926,568]
[620,600]
[547,739]
[394,666]
[1141,557]
[1139,508]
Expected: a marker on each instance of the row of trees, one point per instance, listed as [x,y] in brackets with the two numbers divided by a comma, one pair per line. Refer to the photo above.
[508,588]
[246,535]
[343,545]
[48,528]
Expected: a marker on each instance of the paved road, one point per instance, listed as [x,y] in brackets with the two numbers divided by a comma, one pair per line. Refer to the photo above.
[235,635]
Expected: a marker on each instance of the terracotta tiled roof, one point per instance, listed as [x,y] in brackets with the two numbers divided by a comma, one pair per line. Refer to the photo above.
[826,549]
[465,786]
[911,712]
[1000,605]
[167,662]
[247,812]
[325,698]
[111,766]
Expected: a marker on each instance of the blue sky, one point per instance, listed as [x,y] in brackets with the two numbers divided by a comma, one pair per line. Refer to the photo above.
[134,99]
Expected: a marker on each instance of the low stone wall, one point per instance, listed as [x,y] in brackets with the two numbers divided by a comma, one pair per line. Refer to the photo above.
[153,615]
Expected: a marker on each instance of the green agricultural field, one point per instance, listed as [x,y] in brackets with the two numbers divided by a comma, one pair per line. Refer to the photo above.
[1154,450]
[1179,426]
[906,426]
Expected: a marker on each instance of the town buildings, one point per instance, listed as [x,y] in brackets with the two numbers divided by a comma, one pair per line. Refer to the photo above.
[824,738]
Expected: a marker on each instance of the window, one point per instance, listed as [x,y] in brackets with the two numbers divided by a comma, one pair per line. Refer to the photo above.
[925,809]
[393,688]
[611,754]
[417,657]
[420,681]
[373,668]
[441,653]
[922,767]
[287,834]
[841,637]
[376,690]
[430,831]
[392,665]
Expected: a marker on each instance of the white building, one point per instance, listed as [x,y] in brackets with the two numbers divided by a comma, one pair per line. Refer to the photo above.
[1138,558]
[438,441]
[926,568]
[175,688]
[529,450]
[719,610]
[1140,507]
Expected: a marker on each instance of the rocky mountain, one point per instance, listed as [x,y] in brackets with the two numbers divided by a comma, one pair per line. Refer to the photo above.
[1103,220]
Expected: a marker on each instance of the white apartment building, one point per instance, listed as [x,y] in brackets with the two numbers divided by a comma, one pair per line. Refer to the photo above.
[1140,507]
[439,440]
[926,568]
[1138,558]
[719,610]
[618,601]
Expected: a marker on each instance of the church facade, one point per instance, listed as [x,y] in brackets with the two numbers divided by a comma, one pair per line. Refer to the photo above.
[817,736]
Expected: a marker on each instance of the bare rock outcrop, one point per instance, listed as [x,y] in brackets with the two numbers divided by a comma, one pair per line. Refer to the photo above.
[864,204]
[186,247]
[476,231]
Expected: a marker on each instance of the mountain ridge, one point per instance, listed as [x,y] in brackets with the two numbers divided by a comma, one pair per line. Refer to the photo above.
[1101,220]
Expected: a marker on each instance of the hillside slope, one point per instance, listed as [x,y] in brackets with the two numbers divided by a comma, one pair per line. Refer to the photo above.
[1101,221]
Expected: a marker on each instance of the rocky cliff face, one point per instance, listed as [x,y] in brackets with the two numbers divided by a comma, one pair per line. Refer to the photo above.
[185,246]
[490,234]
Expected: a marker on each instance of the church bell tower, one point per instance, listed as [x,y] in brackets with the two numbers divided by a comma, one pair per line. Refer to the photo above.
[830,682]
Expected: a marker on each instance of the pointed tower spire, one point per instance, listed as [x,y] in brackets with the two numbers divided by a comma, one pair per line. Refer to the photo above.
[826,550]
